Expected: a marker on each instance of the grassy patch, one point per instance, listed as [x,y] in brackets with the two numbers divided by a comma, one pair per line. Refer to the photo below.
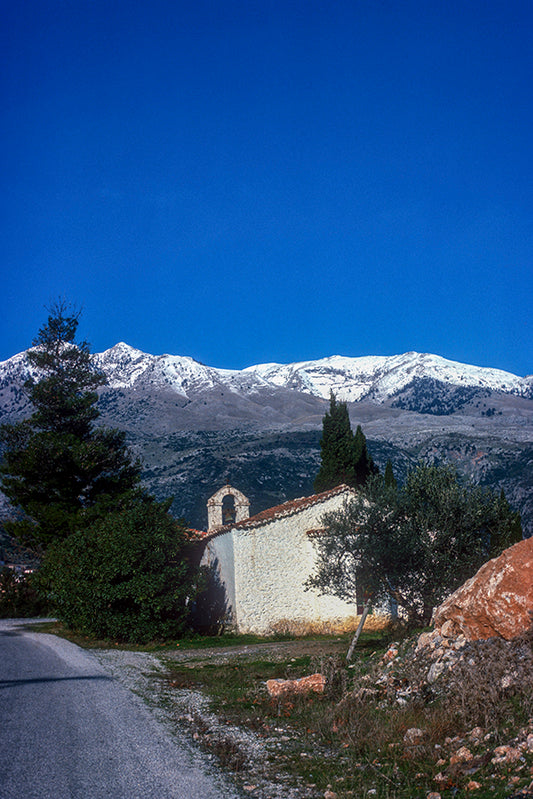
[193,642]
[357,739]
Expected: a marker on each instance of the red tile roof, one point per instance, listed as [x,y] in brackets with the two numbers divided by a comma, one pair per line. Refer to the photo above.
[279,511]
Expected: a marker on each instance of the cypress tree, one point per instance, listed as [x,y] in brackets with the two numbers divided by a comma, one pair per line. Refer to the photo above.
[344,456]
[363,464]
[388,478]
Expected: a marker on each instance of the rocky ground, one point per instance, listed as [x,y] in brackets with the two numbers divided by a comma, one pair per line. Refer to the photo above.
[481,761]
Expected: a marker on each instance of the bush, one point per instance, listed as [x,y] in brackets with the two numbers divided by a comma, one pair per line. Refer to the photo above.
[128,577]
[19,596]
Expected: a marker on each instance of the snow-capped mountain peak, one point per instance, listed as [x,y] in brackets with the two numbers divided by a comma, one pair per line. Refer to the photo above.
[372,377]
[378,377]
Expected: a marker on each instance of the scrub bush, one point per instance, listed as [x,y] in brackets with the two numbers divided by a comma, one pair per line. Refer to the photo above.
[128,577]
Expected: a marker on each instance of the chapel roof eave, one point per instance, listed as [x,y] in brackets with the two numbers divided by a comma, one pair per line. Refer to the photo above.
[279,511]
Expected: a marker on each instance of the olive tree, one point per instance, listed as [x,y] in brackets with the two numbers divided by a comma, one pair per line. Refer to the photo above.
[415,544]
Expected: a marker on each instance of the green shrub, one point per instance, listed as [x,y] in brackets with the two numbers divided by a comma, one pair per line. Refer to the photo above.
[19,596]
[128,577]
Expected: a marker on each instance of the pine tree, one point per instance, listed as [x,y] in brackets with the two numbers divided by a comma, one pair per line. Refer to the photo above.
[58,467]
[344,456]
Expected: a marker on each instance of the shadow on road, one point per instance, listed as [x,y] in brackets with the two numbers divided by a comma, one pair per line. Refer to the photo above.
[11,683]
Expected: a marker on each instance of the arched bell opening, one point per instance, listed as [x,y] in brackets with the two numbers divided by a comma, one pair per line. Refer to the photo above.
[229,513]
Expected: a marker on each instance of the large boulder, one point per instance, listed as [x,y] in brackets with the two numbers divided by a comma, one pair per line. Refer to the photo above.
[497,601]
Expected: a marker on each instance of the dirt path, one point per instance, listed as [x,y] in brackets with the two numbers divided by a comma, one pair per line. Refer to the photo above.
[279,650]
[187,715]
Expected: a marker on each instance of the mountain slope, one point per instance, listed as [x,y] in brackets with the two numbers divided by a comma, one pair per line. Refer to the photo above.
[375,378]
[196,427]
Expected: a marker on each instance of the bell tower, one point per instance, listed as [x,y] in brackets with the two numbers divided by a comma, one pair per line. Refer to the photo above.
[227,506]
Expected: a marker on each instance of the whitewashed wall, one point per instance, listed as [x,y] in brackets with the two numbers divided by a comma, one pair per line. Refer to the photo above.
[264,570]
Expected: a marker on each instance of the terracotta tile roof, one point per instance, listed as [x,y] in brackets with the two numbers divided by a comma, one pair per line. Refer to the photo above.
[196,533]
[279,511]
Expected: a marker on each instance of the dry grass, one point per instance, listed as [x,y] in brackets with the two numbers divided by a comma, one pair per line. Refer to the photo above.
[300,629]
[353,738]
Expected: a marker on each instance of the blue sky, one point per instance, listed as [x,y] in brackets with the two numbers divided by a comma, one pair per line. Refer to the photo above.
[271,180]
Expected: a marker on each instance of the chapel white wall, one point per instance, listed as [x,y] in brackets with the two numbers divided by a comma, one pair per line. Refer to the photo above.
[271,564]
[219,558]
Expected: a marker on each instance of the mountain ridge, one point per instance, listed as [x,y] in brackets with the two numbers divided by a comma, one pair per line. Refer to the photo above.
[196,427]
[351,378]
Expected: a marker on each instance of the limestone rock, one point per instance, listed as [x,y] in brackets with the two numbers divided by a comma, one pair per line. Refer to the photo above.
[314,682]
[414,736]
[506,754]
[497,601]
[463,755]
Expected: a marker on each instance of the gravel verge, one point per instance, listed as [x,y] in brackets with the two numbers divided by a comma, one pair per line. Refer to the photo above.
[186,714]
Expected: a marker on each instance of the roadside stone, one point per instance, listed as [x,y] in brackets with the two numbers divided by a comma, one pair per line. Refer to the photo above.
[473,786]
[414,736]
[435,671]
[476,735]
[509,680]
[449,628]
[429,640]
[390,654]
[506,754]
[463,755]
[313,683]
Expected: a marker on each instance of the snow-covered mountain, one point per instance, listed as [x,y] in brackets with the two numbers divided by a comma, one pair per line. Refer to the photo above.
[375,378]
[127,367]
[380,377]
[196,427]
[351,379]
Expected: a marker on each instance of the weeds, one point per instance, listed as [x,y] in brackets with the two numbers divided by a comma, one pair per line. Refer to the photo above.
[287,627]
[380,727]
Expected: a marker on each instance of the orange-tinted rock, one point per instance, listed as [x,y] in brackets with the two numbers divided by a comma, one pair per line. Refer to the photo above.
[497,601]
[315,682]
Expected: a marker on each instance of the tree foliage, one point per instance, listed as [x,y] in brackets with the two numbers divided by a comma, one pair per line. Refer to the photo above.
[344,455]
[115,563]
[58,467]
[19,595]
[126,577]
[416,544]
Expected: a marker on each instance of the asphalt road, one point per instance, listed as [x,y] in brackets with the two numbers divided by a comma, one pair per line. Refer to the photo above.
[69,731]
